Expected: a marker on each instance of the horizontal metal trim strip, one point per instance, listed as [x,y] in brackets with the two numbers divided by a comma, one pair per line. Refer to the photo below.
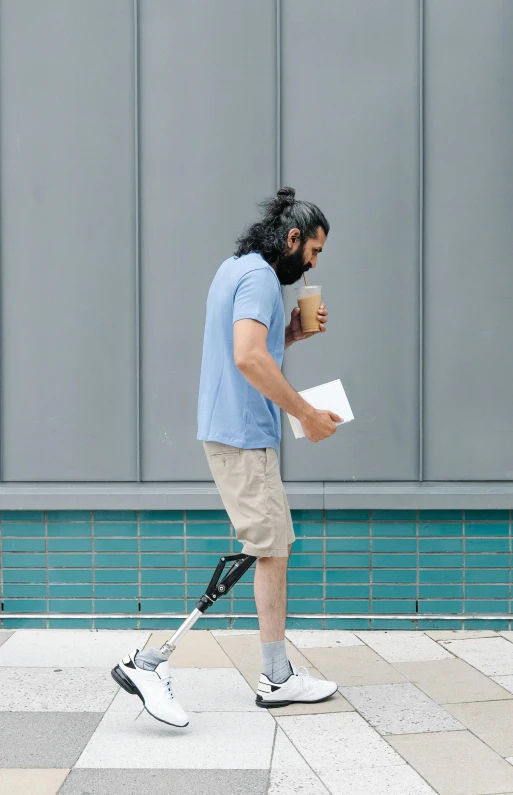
[393,616]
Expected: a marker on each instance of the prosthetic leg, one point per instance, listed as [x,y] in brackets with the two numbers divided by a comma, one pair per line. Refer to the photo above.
[240,565]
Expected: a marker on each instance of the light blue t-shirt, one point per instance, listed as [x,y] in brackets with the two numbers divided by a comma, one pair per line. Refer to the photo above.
[230,410]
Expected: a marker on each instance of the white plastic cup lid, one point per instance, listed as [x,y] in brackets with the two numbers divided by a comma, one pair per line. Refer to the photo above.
[303,291]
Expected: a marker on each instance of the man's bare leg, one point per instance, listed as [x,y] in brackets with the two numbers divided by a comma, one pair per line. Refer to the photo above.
[271,601]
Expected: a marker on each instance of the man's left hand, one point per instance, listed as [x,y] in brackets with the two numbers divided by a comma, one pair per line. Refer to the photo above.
[294,332]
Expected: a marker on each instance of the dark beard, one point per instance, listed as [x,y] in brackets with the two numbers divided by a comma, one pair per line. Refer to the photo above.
[290,267]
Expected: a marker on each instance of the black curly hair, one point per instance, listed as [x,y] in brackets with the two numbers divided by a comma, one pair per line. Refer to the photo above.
[281,213]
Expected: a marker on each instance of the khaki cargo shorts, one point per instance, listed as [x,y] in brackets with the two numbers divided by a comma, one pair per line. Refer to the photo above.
[252,492]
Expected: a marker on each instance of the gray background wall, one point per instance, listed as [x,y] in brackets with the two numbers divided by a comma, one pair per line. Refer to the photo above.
[136,139]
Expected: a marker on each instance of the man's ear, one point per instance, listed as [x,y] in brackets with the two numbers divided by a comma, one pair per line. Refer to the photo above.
[293,236]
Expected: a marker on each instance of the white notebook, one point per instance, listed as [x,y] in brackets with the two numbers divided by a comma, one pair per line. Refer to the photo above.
[331,397]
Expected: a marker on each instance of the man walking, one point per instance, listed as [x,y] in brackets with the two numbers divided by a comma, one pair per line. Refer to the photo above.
[242,390]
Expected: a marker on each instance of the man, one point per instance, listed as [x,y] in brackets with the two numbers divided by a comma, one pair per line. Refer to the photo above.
[242,390]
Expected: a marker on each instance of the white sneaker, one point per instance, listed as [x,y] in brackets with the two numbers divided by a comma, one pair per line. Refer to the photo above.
[299,687]
[153,688]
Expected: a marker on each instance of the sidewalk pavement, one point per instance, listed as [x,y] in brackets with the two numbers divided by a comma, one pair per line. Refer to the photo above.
[416,713]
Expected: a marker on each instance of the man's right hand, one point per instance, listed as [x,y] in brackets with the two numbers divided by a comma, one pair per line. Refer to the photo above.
[318,424]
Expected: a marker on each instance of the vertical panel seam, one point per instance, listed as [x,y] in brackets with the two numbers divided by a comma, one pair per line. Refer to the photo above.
[421,240]
[137,243]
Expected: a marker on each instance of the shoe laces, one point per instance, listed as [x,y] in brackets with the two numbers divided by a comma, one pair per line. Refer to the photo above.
[304,677]
[166,684]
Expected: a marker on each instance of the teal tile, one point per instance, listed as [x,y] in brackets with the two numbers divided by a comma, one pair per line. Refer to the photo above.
[70,575]
[69,516]
[385,561]
[393,515]
[115,529]
[243,606]
[440,575]
[115,623]
[492,529]
[394,606]
[486,591]
[307,529]
[500,561]
[219,545]
[394,545]
[164,575]
[309,561]
[356,515]
[24,623]
[347,544]
[441,561]
[22,516]
[246,623]
[65,560]
[25,606]
[71,606]
[439,591]
[115,544]
[394,623]
[23,544]
[439,623]
[441,515]
[487,516]
[197,589]
[116,575]
[162,516]
[69,544]
[163,591]
[347,623]
[487,575]
[305,575]
[20,590]
[347,575]
[490,623]
[394,591]
[24,575]
[347,591]
[71,591]
[115,591]
[301,591]
[440,544]
[162,623]
[487,545]
[167,529]
[116,605]
[70,623]
[304,606]
[348,529]
[347,560]
[62,530]
[392,529]
[115,516]
[199,575]
[394,575]
[486,606]
[246,591]
[440,606]
[161,544]
[206,516]
[23,560]
[304,623]
[163,606]
[22,529]
[309,545]
[439,529]
[117,561]
[307,515]
[347,605]
[160,560]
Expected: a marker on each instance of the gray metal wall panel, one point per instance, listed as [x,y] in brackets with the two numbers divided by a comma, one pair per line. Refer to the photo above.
[207,99]
[68,287]
[469,240]
[350,98]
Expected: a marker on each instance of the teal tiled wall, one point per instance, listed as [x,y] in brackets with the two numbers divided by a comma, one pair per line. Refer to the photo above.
[354,561]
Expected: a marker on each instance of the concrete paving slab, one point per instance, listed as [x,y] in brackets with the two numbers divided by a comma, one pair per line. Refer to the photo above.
[126,703]
[337,703]
[330,743]
[452,681]
[232,633]
[504,681]
[44,739]
[162,782]
[213,690]
[322,639]
[5,635]
[399,780]
[403,646]
[289,772]
[198,649]
[212,740]
[460,634]
[455,763]
[492,656]
[353,665]
[69,648]
[55,690]
[491,721]
[400,709]
[31,782]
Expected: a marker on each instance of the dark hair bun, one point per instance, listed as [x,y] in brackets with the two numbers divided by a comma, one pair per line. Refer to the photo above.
[287,196]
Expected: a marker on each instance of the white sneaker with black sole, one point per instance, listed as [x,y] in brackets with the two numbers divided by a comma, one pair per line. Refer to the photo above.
[153,688]
[298,688]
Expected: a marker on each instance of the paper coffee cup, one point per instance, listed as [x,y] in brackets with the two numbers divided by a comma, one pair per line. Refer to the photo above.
[309,301]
